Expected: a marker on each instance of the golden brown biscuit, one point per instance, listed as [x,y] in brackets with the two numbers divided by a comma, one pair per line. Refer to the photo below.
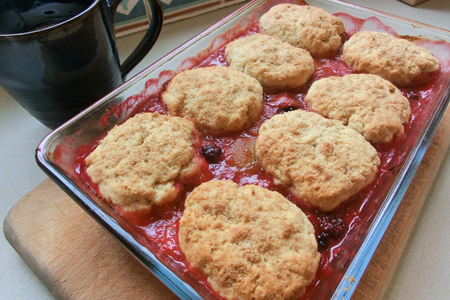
[217,98]
[273,63]
[136,164]
[397,60]
[252,243]
[321,160]
[307,27]
[367,103]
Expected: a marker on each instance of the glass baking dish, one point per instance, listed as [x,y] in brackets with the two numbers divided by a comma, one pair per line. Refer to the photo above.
[56,153]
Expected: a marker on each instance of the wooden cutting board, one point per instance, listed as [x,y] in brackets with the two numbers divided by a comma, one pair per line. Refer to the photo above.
[76,259]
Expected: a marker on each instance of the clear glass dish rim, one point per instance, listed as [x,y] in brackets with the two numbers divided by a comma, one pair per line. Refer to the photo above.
[183,290]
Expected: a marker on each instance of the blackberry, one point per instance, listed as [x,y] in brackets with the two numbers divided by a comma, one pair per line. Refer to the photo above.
[288,109]
[211,153]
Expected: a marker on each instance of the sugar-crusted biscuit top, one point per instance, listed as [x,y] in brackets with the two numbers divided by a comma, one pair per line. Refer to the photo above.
[215,98]
[321,160]
[251,243]
[273,63]
[304,26]
[394,59]
[367,103]
[136,164]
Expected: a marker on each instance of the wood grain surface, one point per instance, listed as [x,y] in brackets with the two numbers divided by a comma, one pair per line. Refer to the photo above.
[73,255]
[77,259]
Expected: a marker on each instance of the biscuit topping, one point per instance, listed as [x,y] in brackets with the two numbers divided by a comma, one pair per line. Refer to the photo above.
[251,242]
[396,60]
[304,26]
[215,98]
[137,163]
[321,160]
[273,63]
[367,103]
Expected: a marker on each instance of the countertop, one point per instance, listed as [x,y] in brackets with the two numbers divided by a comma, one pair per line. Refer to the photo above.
[424,269]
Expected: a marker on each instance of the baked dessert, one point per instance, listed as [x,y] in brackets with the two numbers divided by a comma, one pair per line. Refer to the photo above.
[394,59]
[366,103]
[307,27]
[215,98]
[232,157]
[251,242]
[321,160]
[273,63]
[136,165]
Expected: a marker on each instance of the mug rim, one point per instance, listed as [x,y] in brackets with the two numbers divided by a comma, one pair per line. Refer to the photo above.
[35,32]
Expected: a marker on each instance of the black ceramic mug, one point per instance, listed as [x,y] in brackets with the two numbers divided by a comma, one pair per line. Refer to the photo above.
[58,57]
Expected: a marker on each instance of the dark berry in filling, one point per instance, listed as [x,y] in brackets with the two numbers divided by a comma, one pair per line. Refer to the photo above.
[288,109]
[211,153]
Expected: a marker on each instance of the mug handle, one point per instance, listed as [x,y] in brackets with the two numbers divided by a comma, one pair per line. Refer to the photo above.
[149,38]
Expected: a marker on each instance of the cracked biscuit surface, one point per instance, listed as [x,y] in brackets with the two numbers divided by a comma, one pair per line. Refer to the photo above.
[396,60]
[273,63]
[367,103]
[215,98]
[137,163]
[321,160]
[304,26]
[252,243]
